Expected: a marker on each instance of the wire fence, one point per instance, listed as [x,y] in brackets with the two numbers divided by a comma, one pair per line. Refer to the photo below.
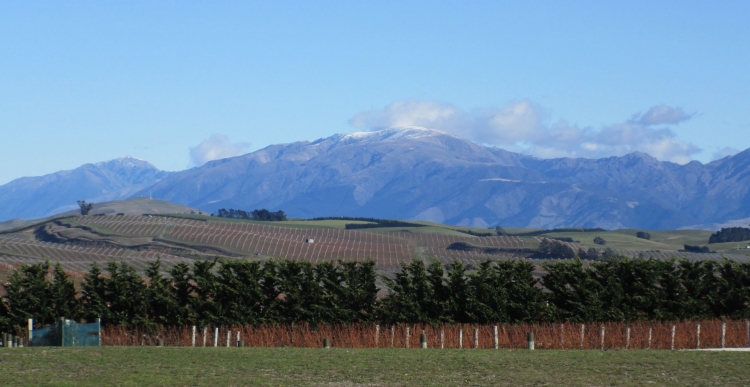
[607,336]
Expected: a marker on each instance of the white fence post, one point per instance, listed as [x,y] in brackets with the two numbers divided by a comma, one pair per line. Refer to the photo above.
[583,331]
[193,337]
[31,331]
[393,334]
[216,337]
[650,330]
[674,328]
[698,336]
[602,337]
[494,337]
[460,339]
[627,338]
[204,336]
[442,339]
[229,336]
[723,334]
[377,335]
[408,332]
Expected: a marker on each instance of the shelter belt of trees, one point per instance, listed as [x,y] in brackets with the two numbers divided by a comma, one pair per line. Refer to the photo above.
[235,292]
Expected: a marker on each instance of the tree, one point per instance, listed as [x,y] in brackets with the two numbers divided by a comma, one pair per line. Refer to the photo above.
[94,295]
[573,292]
[643,235]
[63,295]
[500,231]
[556,249]
[85,207]
[161,303]
[731,234]
[27,295]
[125,295]
[591,254]
[600,241]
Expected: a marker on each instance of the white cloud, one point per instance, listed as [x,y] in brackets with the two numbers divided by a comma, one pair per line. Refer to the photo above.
[521,126]
[214,148]
[724,152]
[662,115]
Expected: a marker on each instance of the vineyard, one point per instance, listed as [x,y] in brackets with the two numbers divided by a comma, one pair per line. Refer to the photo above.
[111,235]
[607,336]
[79,241]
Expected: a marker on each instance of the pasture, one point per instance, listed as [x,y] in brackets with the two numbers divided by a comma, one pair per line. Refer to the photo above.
[179,366]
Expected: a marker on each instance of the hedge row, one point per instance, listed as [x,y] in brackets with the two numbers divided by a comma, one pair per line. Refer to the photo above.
[235,292]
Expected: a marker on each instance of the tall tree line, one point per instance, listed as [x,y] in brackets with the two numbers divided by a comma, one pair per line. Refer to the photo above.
[238,292]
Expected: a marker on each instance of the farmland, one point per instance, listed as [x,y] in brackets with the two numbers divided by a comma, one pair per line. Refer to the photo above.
[78,241]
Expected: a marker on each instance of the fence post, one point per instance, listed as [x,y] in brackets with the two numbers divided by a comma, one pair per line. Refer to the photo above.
[442,339]
[530,341]
[229,337]
[673,332]
[238,338]
[476,338]
[216,337]
[602,337]
[61,321]
[408,334]
[583,331]
[562,336]
[160,342]
[326,343]
[393,334]
[204,336]
[423,340]
[31,331]
[723,333]
[193,337]
[495,342]
[460,339]
[377,335]
[698,336]
[627,338]
[649,337]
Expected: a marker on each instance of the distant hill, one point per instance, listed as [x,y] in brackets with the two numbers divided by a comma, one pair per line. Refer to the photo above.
[133,206]
[38,197]
[414,173]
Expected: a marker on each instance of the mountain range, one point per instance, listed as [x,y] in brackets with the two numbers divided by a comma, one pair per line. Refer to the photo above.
[417,173]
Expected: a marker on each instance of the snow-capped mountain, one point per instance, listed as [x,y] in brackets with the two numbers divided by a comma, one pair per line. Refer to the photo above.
[418,173]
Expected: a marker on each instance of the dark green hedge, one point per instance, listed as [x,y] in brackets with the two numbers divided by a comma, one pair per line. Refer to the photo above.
[235,292]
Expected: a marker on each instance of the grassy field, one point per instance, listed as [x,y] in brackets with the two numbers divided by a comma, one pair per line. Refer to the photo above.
[140,366]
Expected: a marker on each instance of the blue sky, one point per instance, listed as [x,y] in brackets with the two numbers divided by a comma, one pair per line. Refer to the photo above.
[178,83]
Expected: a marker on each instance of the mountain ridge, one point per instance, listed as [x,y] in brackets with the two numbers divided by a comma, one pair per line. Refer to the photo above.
[417,173]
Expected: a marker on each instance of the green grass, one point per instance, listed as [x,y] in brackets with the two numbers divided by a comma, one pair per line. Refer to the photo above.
[141,366]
